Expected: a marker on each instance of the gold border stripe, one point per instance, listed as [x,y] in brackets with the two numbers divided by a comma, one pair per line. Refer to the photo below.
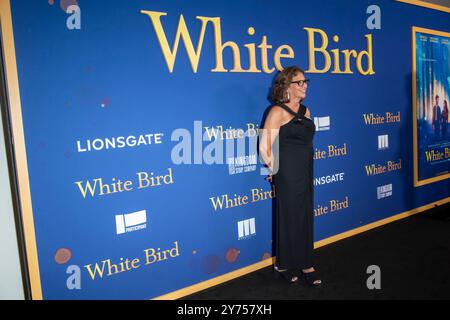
[426,5]
[12,82]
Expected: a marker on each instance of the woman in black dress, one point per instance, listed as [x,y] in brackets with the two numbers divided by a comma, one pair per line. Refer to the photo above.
[286,147]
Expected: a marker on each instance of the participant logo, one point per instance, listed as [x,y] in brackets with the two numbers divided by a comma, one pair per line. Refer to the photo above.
[246,228]
[131,222]
[322,123]
[383,142]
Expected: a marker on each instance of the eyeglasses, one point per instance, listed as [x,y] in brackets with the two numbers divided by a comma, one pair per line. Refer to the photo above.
[301,82]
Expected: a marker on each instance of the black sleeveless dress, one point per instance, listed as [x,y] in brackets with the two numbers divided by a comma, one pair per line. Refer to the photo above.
[294,192]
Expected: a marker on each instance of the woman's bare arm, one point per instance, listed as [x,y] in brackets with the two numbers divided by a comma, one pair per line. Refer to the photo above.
[268,135]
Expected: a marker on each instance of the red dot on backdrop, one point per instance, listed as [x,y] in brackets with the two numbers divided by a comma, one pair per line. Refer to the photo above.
[232,255]
[64,4]
[63,255]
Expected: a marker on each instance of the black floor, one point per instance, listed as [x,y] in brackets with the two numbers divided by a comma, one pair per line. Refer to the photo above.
[413,255]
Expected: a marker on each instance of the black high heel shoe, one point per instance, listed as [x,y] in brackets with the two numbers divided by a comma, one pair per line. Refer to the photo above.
[286,275]
[312,278]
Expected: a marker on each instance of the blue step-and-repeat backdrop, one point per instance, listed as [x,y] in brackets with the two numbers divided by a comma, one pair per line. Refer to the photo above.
[141,121]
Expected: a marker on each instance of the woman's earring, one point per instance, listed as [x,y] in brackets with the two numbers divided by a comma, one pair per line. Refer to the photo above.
[288,96]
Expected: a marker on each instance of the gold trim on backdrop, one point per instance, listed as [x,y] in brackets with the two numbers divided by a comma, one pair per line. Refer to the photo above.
[12,84]
[427,5]
[417,182]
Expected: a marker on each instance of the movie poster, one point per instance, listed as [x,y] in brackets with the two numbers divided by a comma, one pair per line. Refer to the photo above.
[431,90]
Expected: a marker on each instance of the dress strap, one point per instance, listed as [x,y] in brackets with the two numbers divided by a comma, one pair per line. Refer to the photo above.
[302,110]
[285,107]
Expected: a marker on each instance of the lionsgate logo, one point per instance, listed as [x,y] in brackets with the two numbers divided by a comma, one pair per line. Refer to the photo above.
[119,142]
[384,191]
[322,123]
[246,228]
[131,222]
[383,142]
[332,178]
